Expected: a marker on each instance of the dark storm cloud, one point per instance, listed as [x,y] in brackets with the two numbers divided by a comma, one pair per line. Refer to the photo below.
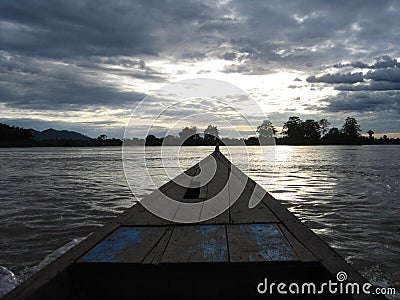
[274,32]
[37,84]
[134,68]
[384,76]
[97,28]
[373,86]
[338,78]
[61,54]
[230,56]
[364,102]
[56,54]
[247,69]
[196,55]
[390,75]
[380,63]
[315,32]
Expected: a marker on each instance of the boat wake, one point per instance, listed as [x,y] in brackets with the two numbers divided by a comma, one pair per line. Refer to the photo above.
[8,280]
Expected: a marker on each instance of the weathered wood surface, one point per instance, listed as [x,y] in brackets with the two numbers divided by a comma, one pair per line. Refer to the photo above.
[126,244]
[258,243]
[198,243]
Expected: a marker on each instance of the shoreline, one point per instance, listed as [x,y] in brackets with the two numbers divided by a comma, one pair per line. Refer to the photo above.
[99,146]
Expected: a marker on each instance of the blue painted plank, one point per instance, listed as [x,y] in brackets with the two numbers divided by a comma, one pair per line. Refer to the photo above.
[258,242]
[213,244]
[200,243]
[126,244]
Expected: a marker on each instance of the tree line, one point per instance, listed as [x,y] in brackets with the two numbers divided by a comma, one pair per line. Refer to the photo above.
[188,136]
[297,131]
[294,131]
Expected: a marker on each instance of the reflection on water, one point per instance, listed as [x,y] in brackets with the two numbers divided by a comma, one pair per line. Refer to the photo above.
[349,195]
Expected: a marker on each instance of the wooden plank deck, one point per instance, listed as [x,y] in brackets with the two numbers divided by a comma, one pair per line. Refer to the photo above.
[258,243]
[126,245]
[199,243]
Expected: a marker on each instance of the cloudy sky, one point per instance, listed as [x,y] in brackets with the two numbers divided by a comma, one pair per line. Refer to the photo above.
[82,65]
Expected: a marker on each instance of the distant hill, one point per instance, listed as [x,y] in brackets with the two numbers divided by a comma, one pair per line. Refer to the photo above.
[52,134]
[11,136]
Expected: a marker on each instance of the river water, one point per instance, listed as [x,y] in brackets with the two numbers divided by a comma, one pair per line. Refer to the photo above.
[52,198]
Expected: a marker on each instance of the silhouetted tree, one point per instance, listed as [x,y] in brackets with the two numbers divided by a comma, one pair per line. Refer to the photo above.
[10,136]
[152,140]
[311,129]
[102,137]
[293,128]
[187,132]
[351,129]
[324,124]
[252,141]
[333,136]
[211,132]
[370,133]
[266,130]
[334,132]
